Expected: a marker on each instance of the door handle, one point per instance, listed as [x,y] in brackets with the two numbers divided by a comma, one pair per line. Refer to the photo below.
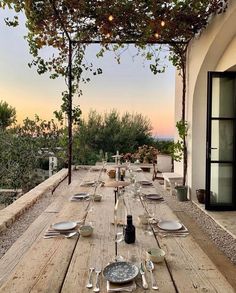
[214,148]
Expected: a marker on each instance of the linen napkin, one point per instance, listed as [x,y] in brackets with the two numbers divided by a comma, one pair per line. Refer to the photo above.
[127,287]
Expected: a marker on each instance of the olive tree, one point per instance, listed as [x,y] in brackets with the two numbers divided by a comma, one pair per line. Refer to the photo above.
[7,115]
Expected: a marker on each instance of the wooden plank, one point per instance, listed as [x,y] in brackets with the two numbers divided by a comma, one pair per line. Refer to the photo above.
[186,258]
[100,249]
[94,251]
[45,263]
[57,265]
[191,268]
[13,256]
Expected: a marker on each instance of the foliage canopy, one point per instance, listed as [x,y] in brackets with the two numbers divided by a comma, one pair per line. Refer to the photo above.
[7,115]
[107,133]
[69,25]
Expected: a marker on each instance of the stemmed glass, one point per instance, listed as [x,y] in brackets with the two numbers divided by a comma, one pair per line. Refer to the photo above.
[151,210]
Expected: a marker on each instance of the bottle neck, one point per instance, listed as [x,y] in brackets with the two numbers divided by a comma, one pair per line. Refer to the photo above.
[129,220]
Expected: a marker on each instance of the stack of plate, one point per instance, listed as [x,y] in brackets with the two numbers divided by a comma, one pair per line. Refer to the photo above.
[87,183]
[120,272]
[171,228]
[154,196]
[169,225]
[80,196]
[145,183]
[64,226]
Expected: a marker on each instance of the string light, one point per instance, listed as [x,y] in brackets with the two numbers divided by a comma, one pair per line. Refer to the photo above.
[110,17]
[108,35]
[156,35]
[163,23]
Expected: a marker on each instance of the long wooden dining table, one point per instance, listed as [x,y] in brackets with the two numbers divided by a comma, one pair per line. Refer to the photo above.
[35,264]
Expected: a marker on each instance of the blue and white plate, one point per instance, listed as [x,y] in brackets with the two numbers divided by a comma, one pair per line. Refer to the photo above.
[120,272]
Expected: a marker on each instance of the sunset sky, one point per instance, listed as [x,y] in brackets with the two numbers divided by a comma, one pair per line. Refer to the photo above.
[130,86]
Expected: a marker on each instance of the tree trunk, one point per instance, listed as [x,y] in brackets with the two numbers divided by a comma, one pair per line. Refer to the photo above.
[185,151]
[69,113]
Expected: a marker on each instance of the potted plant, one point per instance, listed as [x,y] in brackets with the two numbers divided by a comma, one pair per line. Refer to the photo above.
[179,152]
[146,154]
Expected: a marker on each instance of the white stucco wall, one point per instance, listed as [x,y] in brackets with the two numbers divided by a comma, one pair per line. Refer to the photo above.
[214,50]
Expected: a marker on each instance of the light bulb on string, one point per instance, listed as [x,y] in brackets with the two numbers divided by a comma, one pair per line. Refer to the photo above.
[110,17]
[163,23]
[108,35]
[156,35]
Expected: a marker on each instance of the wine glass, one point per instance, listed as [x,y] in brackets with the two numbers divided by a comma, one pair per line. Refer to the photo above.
[151,210]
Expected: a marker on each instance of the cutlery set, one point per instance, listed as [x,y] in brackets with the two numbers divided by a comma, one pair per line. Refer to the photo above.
[65,229]
[90,279]
[56,234]
[150,268]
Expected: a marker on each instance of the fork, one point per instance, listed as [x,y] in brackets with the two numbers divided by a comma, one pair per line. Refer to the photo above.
[144,281]
[90,284]
[97,289]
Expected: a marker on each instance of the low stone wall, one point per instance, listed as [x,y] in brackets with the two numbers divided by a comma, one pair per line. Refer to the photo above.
[9,214]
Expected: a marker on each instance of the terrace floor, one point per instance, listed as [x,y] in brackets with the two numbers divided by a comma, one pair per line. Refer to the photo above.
[225,219]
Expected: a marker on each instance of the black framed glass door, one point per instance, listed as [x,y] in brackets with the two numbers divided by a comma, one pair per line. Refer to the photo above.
[221,142]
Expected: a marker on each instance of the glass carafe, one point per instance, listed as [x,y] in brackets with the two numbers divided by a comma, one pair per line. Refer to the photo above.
[120,214]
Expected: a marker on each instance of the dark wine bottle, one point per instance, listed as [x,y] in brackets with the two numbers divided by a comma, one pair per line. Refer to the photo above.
[129,230]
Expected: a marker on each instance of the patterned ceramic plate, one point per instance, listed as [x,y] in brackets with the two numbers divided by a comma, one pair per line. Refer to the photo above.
[120,272]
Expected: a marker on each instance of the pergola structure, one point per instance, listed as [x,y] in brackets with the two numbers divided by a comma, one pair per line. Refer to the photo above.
[70,25]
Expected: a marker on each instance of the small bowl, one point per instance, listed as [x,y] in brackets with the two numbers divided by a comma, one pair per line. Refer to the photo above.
[143,219]
[97,197]
[86,230]
[155,254]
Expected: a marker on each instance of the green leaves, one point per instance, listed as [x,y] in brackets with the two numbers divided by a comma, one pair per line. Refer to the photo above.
[7,115]
[178,148]
[182,127]
[109,132]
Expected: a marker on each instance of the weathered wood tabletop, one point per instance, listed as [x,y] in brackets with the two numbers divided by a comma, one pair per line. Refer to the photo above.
[34,264]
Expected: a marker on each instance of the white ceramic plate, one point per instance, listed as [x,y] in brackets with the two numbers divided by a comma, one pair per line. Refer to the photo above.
[62,226]
[169,225]
[81,195]
[87,183]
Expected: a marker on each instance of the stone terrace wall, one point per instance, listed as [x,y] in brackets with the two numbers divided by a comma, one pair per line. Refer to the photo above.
[9,214]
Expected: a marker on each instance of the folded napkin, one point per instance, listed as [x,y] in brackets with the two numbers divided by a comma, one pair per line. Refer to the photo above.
[183,232]
[127,287]
[52,232]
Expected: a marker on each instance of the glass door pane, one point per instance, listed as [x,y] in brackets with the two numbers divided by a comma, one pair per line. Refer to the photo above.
[221,184]
[223,97]
[221,146]
[222,132]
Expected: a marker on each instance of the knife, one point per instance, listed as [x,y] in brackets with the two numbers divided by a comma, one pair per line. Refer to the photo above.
[142,272]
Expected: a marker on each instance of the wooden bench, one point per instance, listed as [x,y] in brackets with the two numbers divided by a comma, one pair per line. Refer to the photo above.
[171,179]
